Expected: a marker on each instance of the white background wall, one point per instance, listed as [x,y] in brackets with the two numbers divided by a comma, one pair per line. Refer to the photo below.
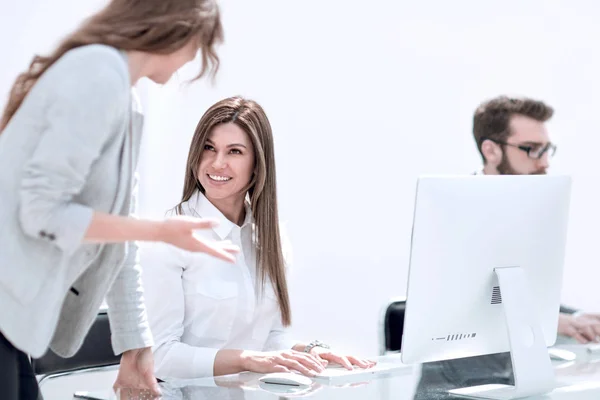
[363,97]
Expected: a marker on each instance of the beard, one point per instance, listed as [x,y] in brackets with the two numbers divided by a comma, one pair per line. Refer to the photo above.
[505,168]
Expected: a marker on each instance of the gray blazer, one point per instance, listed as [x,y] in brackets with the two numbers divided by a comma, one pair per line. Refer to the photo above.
[66,152]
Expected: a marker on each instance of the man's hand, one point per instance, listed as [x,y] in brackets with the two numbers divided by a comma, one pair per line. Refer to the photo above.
[585,328]
[137,371]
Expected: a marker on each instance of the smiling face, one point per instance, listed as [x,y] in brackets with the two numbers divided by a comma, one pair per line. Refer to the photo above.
[232,156]
[226,164]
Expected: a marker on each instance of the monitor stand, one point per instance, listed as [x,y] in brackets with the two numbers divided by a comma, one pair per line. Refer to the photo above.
[532,368]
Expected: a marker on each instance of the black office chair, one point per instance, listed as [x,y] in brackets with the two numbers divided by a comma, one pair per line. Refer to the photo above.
[96,353]
[392,326]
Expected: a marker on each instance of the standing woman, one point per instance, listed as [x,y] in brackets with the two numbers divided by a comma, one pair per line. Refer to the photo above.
[69,144]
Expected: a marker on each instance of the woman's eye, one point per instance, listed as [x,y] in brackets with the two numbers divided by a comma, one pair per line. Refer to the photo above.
[208,147]
[235,151]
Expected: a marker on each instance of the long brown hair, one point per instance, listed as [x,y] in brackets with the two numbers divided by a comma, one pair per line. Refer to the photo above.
[154,26]
[262,189]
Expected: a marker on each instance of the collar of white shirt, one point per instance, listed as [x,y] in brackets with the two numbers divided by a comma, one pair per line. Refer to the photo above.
[200,206]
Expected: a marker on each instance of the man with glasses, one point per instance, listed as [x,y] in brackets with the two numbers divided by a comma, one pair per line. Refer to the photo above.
[512,138]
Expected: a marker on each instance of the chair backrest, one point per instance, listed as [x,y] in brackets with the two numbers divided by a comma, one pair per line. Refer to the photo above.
[392,326]
[96,351]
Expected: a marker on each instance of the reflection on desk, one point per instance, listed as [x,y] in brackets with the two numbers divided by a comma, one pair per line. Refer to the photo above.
[578,380]
[247,386]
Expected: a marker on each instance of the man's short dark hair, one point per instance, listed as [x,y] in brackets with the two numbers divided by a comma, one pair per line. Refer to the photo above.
[492,118]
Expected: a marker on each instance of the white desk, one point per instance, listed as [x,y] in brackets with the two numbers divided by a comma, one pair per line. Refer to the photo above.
[579,380]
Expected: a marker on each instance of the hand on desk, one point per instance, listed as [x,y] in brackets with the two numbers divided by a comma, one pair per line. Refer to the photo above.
[136,372]
[585,328]
[281,361]
[328,355]
[136,394]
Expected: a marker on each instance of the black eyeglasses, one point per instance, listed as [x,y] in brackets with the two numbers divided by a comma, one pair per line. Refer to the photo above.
[535,152]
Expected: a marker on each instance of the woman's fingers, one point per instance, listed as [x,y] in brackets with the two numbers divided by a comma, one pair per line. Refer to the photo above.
[280,368]
[203,223]
[296,366]
[342,360]
[308,360]
[316,359]
[361,362]
[214,249]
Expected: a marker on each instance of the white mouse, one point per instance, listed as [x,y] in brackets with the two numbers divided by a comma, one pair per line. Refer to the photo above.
[561,354]
[286,378]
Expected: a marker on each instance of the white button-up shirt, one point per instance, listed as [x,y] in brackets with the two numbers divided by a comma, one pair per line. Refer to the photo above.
[198,304]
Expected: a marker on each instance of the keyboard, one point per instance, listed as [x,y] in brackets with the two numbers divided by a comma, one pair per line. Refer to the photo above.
[335,372]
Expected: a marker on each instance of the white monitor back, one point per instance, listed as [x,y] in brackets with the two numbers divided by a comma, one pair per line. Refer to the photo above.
[463,228]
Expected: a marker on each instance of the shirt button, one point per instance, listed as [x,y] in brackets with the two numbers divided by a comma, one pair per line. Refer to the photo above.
[51,236]
[43,234]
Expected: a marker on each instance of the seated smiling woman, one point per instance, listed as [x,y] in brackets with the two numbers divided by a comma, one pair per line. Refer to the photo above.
[209,317]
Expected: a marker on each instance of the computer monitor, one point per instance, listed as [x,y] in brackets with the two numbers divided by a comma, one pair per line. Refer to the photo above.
[485,274]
